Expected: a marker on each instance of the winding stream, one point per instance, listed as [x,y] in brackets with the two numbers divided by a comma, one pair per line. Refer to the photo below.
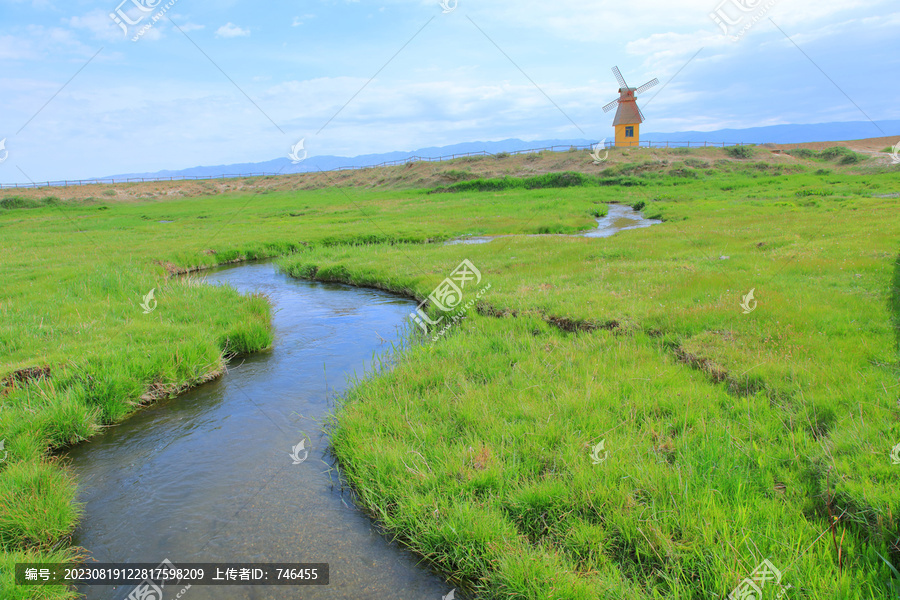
[207,477]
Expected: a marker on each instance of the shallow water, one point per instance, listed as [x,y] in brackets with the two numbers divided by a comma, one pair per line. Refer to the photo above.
[208,477]
[619,217]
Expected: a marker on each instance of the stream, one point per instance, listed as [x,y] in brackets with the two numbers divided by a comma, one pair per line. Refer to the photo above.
[208,478]
[619,217]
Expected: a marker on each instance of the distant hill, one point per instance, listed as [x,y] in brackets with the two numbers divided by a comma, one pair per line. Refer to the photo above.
[776,134]
[785,134]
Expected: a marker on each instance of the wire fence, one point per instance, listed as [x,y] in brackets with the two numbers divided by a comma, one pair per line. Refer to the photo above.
[391,163]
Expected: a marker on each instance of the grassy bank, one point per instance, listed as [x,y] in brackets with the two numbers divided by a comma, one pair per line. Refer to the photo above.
[732,437]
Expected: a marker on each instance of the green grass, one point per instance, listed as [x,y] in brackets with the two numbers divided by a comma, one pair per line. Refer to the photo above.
[732,437]
[549,180]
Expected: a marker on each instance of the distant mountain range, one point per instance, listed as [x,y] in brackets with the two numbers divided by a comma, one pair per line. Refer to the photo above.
[776,134]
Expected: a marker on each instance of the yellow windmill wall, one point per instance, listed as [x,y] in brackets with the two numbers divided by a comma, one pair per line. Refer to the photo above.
[621,140]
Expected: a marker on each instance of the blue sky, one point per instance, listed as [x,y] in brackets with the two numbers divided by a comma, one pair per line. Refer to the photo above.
[243,81]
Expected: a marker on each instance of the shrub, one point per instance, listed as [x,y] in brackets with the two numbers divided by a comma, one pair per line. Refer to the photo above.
[846,156]
[683,172]
[739,151]
[549,180]
[639,205]
[502,155]
[12,202]
[802,153]
[556,180]
[621,180]
[457,175]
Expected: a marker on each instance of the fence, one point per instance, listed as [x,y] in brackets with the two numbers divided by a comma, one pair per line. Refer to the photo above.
[392,163]
[74,182]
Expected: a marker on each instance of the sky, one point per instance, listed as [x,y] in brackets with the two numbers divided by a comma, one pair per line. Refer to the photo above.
[184,83]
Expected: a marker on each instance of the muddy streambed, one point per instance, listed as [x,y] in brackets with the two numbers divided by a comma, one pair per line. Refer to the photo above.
[208,477]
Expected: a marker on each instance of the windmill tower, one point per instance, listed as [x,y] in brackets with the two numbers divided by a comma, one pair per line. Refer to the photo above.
[629,117]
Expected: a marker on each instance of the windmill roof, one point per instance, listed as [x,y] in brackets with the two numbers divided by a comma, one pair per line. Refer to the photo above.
[627,114]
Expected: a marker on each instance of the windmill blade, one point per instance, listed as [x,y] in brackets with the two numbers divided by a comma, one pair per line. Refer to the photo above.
[643,118]
[647,86]
[611,105]
[619,77]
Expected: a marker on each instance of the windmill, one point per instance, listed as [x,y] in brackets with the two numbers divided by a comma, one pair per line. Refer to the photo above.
[629,117]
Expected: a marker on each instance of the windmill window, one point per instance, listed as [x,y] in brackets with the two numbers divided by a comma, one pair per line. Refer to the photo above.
[629,132]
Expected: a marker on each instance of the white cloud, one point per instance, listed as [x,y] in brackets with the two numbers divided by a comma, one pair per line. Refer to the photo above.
[606,22]
[98,23]
[300,20]
[230,30]
[17,48]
